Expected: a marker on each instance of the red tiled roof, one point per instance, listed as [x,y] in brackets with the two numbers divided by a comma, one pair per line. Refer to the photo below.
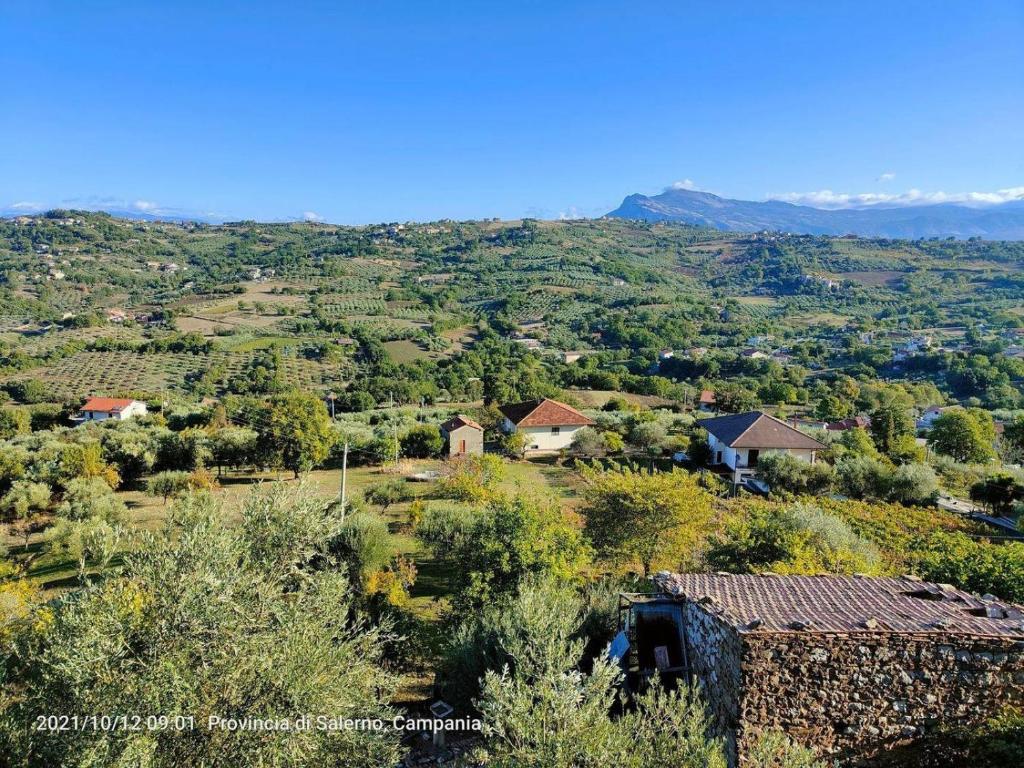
[855,422]
[843,604]
[459,421]
[707,397]
[106,404]
[758,430]
[544,413]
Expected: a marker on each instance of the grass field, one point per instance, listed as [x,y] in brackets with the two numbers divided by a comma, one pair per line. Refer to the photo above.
[757,301]
[150,513]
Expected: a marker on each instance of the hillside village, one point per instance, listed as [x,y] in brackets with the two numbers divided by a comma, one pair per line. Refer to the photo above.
[780,472]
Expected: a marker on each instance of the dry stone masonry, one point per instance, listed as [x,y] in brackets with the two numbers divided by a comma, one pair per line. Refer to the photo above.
[851,666]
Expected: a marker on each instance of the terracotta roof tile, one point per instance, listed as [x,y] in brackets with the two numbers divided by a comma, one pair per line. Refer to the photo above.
[758,430]
[844,604]
[106,404]
[544,413]
[459,421]
[854,422]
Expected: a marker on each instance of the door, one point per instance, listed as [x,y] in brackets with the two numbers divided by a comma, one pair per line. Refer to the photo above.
[752,457]
[462,446]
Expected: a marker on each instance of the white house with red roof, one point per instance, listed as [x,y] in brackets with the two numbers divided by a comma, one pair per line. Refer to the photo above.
[548,424]
[103,408]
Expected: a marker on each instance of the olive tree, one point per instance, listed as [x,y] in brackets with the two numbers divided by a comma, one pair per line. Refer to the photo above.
[206,619]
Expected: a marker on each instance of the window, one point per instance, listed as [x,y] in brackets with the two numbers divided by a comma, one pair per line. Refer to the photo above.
[556,430]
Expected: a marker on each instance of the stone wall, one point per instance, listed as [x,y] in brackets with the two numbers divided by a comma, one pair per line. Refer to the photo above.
[851,696]
[715,654]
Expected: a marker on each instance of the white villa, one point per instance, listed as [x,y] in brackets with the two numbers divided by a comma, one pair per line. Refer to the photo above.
[103,408]
[548,424]
[738,441]
[930,414]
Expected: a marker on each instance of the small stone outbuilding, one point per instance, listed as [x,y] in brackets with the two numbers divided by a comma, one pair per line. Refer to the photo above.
[462,436]
[854,667]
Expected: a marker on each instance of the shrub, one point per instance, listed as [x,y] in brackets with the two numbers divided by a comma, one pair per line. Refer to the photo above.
[914,484]
[87,498]
[443,527]
[471,478]
[861,476]
[422,441]
[786,473]
[387,493]
[976,566]
[168,484]
[796,539]
[364,544]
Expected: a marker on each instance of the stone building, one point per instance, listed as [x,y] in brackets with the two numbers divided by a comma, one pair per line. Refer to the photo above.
[855,667]
[462,436]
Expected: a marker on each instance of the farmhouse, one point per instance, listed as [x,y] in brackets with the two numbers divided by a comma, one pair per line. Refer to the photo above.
[103,408]
[706,401]
[548,424]
[854,422]
[738,441]
[852,666]
[462,436]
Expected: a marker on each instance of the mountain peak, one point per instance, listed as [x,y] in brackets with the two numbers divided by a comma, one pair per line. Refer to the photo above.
[994,222]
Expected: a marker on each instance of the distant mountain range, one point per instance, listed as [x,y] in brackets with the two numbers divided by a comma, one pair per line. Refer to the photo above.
[992,222]
[135,214]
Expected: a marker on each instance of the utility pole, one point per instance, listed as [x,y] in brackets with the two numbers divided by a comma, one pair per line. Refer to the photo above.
[344,479]
[394,424]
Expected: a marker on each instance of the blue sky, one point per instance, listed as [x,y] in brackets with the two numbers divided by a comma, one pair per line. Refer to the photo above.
[390,111]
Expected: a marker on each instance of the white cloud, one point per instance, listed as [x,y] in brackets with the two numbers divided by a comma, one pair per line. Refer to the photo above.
[26,206]
[826,198]
[146,206]
[887,176]
[311,216]
[684,184]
